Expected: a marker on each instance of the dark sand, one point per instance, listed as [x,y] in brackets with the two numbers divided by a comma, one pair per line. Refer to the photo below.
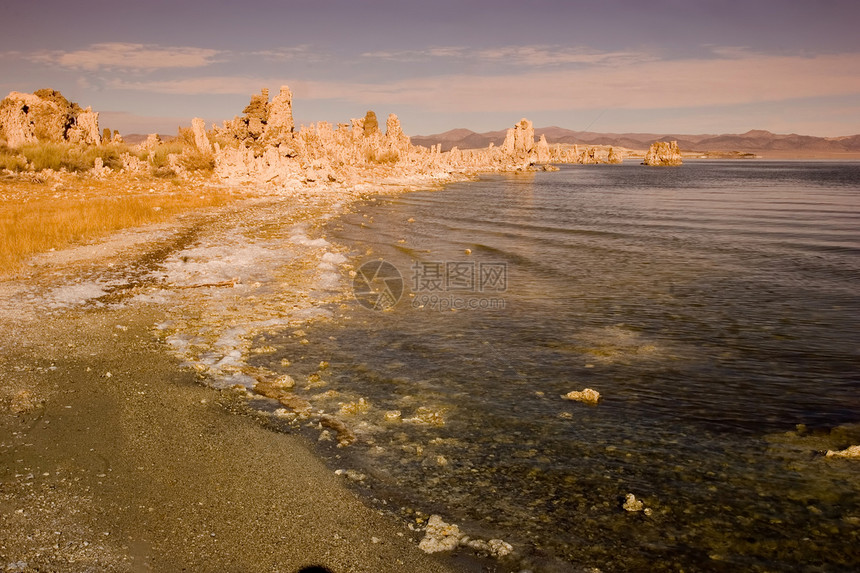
[146,469]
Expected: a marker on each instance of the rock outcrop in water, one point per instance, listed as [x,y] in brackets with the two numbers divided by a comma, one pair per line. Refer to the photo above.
[45,116]
[663,154]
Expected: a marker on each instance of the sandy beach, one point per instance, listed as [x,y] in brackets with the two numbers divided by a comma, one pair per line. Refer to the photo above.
[115,457]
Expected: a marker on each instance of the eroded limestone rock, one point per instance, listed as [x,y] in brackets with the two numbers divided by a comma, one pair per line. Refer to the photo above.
[370,125]
[264,147]
[46,116]
[663,154]
[85,128]
[542,152]
[279,122]
[201,141]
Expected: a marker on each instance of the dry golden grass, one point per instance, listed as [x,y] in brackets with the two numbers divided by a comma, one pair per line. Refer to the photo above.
[38,217]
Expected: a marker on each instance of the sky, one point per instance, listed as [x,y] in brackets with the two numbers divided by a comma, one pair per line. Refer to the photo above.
[644,66]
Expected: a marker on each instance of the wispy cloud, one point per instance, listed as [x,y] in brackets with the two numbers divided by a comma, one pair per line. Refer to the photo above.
[553,56]
[458,52]
[304,52]
[216,85]
[528,55]
[127,56]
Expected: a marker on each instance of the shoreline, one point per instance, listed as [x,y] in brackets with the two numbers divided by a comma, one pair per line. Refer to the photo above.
[97,399]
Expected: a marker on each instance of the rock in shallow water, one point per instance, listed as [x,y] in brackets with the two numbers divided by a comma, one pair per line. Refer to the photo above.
[850,452]
[632,504]
[587,396]
[441,536]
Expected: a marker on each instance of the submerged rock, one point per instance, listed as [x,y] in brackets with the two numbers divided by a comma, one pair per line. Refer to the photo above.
[362,406]
[392,416]
[632,504]
[345,436]
[427,416]
[494,547]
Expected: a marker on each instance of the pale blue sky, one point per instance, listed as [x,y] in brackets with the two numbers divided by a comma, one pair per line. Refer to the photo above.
[645,66]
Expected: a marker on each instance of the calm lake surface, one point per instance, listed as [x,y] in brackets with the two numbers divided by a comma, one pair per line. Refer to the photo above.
[715,307]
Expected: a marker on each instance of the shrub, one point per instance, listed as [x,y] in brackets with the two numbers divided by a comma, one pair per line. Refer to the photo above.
[197,161]
[55,156]
[59,156]
[186,136]
[111,155]
[11,160]
[158,156]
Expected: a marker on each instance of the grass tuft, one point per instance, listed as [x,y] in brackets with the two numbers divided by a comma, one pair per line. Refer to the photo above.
[38,217]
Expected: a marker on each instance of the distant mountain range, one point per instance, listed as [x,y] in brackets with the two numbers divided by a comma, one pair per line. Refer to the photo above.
[757,141]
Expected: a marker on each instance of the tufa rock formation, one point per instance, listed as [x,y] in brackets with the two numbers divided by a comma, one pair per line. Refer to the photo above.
[519,139]
[279,122]
[45,116]
[615,156]
[263,146]
[264,123]
[370,124]
[663,154]
[198,128]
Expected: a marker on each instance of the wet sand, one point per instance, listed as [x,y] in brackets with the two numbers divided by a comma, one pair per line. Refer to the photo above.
[113,457]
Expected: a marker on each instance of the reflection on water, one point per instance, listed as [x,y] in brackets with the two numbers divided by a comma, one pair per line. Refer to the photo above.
[714,307]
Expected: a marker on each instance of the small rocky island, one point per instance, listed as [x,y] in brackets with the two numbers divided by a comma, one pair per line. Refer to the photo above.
[663,154]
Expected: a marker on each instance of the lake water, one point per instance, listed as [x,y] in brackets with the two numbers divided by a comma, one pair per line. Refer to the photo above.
[716,309]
